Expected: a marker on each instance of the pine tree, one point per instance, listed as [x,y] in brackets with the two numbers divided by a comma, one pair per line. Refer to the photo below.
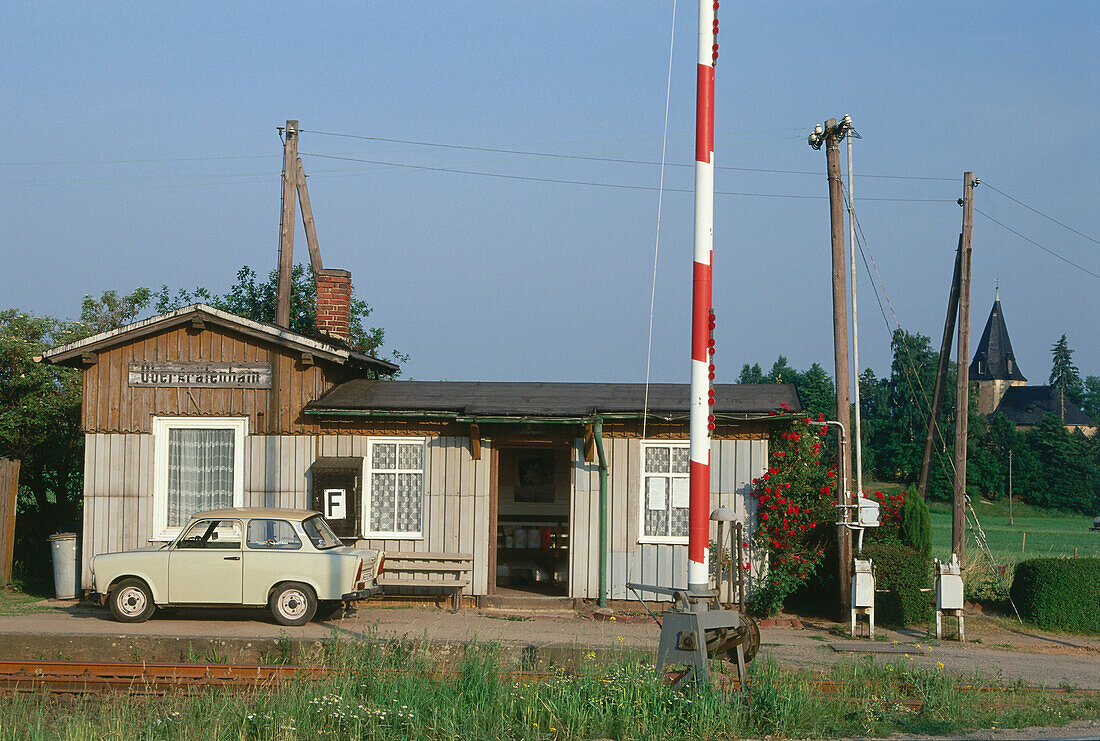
[1064,375]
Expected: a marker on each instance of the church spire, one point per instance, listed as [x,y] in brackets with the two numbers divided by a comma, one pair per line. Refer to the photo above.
[994,360]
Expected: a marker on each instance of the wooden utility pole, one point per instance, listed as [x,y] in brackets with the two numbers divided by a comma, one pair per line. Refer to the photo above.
[286,230]
[831,135]
[941,375]
[307,220]
[962,401]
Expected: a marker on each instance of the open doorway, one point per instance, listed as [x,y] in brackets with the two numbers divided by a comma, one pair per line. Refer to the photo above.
[533,489]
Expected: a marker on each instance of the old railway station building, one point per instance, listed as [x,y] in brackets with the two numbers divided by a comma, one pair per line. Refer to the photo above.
[198,408]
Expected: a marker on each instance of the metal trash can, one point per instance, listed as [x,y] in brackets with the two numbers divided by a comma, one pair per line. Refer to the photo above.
[65,548]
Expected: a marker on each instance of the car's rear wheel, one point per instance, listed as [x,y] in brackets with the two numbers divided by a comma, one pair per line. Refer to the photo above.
[293,603]
[131,601]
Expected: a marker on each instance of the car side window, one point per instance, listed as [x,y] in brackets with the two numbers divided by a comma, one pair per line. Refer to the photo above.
[272,535]
[213,534]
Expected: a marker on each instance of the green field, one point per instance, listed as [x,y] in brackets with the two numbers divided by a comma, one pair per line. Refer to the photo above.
[1048,534]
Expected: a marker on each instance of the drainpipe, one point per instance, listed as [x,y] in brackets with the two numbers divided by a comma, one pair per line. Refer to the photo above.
[598,430]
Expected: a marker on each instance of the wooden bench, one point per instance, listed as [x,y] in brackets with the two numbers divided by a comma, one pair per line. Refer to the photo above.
[451,571]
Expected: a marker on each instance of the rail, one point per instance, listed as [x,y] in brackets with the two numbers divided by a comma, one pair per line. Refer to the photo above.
[144,678]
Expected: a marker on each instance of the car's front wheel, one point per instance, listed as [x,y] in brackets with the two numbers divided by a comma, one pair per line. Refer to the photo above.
[131,601]
[293,603]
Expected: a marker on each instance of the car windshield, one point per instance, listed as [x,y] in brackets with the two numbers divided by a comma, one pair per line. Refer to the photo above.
[320,533]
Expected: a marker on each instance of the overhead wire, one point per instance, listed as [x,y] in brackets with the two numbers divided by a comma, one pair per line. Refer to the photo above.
[597,184]
[657,238]
[593,158]
[1040,213]
[1032,241]
[972,521]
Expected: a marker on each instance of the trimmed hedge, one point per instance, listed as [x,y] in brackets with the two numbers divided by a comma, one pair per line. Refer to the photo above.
[904,572]
[1059,593]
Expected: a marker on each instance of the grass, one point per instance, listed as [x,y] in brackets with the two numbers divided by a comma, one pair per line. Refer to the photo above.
[387,690]
[1050,534]
[15,602]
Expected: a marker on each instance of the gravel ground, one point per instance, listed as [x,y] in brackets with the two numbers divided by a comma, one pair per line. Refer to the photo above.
[1004,649]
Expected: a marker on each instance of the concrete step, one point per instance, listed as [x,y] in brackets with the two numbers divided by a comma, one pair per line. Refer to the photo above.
[529,604]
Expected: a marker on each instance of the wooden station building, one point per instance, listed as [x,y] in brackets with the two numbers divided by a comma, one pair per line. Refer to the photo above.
[199,408]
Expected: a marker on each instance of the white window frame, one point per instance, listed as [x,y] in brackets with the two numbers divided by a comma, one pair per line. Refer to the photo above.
[368,488]
[641,494]
[161,428]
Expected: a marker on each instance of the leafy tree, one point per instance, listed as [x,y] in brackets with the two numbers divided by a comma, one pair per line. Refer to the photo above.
[1090,400]
[1064,375]
[1066,479]
[751,374]
[816,390]
[257,300]
[781,372]
[111,310]
[874,396]
[898,435]
[916,524]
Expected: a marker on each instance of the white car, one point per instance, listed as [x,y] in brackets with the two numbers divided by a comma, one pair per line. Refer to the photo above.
[286,559]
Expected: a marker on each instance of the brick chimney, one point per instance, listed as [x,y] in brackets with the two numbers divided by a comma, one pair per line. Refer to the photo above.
[334,302]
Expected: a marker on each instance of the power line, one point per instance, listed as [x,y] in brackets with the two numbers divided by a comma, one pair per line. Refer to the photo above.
[597,184]
[1032,241]
[591,158]
[1040,213]
[137,161]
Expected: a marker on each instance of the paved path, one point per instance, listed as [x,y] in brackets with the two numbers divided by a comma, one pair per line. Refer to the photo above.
[1034,657]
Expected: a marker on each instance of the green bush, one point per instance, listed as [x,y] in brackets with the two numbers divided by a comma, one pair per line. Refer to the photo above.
[904,572]
[1059,593]
[916,523]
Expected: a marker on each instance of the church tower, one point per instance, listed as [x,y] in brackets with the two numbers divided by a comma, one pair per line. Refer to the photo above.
[994,367]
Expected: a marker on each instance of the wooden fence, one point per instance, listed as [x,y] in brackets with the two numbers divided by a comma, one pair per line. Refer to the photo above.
[9,490]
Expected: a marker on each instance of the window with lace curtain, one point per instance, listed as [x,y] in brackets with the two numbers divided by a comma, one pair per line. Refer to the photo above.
[198,465]
[665,473]
[394,504]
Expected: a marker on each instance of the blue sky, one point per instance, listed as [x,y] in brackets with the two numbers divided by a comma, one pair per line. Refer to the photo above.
[142,150]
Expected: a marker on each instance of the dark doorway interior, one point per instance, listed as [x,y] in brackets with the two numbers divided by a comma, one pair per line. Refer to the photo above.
[532,538]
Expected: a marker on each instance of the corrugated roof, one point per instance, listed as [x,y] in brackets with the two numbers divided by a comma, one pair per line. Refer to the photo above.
[993,360]
[545,399]
[1026,405]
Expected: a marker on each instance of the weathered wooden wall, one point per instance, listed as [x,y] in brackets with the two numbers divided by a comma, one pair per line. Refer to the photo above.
[111,405]
[9,493]
[734,463]
[118,486]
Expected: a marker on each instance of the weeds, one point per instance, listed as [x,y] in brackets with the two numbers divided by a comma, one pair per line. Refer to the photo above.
[395,690]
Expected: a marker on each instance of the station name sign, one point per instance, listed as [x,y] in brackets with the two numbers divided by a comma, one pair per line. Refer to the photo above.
[201,375]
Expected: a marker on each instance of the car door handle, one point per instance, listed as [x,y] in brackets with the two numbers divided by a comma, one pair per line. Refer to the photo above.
[232,558]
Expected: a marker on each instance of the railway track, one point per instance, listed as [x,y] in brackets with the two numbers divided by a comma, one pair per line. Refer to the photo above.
[79,678]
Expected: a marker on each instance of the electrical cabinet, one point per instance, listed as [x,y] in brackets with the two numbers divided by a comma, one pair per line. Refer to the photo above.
[863,584]
[338,493]
[949,584]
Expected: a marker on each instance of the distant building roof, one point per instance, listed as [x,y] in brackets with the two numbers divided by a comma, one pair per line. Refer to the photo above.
[545,399]
[1026,405]
[993,360]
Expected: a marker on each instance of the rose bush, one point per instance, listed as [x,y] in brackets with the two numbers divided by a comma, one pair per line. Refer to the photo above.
[795,503]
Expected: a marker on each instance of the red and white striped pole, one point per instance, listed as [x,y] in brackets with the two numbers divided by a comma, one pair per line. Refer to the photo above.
[702,318]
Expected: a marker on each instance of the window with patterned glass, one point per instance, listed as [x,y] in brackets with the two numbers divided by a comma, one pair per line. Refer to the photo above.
[395,500]
[665,475]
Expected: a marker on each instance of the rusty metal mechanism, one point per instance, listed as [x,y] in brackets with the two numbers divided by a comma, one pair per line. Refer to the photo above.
[696,629]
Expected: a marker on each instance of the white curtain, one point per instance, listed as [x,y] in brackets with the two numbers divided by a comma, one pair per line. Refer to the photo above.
[200,472]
